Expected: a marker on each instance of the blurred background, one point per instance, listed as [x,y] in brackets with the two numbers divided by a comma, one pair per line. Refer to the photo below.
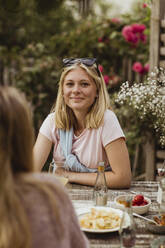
[35,35]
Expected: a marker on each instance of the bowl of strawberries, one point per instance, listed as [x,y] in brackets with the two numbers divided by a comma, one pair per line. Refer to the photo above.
[140,203]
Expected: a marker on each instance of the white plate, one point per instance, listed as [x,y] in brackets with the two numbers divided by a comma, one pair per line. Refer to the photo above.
[109,209]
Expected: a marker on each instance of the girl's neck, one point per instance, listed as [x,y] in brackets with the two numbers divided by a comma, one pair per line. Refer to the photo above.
[79,126]
[80,118]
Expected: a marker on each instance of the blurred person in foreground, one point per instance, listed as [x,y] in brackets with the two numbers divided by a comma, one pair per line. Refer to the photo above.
[83,129]
[35,211]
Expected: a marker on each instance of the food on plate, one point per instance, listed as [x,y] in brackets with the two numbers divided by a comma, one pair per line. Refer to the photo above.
[160,220]
[100,219]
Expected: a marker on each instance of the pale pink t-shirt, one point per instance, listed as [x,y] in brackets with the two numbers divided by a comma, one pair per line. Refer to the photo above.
[89,146]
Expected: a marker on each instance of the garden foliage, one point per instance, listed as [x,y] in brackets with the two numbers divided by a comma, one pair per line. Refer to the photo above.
[36,36]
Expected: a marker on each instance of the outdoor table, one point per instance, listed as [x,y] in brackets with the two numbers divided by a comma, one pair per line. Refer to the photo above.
[81,196]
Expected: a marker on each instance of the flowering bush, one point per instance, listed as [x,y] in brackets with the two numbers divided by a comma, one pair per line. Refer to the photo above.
[147,101]
[124,39]
[36,75]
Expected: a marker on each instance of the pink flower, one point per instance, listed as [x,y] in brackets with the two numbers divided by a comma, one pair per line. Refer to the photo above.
[143,38]
[138,28]
[144,5]
[133,33]
[133,38]
[146,68]
[126,31]
[100,39]
[106,79]
[101,68]
[137,67]
[115,20]
[129,35]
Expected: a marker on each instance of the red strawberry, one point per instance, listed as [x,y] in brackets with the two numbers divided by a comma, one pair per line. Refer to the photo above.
[138,199]
[145,202]
[134,204]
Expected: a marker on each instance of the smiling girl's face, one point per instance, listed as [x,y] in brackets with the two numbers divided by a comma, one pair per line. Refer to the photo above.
[79,90]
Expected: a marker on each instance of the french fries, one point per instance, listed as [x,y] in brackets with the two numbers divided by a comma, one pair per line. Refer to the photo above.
[100,219]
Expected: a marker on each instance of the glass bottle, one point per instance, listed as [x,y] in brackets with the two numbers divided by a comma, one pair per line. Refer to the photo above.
[161,174]
[100,191]
[128,233]
[159,193]
[162,197]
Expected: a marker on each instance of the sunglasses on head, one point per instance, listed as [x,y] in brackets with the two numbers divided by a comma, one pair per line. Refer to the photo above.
[84,61]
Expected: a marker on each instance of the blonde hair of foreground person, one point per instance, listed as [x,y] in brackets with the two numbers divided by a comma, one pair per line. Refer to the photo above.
[16,163]
[64,117]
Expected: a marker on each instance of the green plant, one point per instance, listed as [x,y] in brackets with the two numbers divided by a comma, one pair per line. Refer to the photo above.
[37,76]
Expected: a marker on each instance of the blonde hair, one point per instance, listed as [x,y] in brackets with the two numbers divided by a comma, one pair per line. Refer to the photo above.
[16,160]
[64,116]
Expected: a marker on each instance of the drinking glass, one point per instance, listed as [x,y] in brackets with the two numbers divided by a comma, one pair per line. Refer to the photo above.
[127,233]
[58,168]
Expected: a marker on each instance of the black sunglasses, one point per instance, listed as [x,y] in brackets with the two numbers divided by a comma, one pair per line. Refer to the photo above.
[85,61]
